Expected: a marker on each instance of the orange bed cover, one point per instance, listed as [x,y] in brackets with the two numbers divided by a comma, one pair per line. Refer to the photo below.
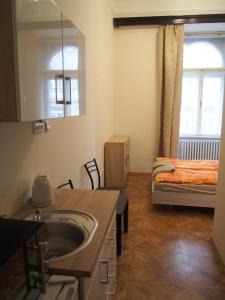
[190,172]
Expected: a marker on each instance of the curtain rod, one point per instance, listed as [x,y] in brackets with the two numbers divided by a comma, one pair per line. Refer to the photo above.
[166,20]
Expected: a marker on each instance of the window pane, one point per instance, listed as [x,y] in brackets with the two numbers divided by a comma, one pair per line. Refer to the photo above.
[212,104]
[56,62]
[189,104]
[70,55]
[59,89]
[68,60]
[55,110]
[197,54]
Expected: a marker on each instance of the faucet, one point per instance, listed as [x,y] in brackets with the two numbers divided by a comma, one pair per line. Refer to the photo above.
[37,215]
[34,214]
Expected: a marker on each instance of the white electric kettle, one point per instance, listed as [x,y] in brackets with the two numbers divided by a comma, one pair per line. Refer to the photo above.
[42,194]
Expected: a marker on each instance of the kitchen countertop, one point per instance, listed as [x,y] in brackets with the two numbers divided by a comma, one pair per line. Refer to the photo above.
[101,204]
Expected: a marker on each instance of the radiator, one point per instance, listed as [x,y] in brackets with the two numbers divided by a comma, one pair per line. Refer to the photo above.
[199,148]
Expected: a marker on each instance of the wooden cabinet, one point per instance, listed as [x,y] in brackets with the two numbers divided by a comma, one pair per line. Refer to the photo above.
[42,62]
[116,161]
[102,284]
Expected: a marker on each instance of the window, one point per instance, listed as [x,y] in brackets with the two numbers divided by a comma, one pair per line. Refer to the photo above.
[203,87]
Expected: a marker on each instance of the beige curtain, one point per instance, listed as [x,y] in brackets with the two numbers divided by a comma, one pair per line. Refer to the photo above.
[170,73]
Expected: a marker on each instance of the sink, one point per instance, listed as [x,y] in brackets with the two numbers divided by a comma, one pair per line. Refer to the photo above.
[68,231]
[63,238]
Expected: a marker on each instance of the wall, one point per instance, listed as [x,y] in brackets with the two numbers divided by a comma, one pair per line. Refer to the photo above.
[135,82]
[61,152]
[219,219]
[135,92]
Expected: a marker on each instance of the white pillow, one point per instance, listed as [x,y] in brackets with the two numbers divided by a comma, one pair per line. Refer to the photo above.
[160,163]
[163,169]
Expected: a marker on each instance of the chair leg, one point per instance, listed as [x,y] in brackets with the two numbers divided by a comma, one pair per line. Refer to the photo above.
[125,216]
[118,234]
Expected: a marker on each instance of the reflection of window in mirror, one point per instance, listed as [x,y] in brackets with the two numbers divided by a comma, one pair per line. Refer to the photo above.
[70,65]
[51,62]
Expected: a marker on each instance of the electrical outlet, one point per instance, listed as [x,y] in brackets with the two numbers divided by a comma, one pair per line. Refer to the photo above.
[47,125]
[38,126]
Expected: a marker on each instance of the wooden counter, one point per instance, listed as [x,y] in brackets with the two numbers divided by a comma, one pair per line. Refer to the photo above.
[101,204]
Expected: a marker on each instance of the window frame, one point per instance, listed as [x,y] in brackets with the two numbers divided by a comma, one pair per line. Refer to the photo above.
[202,72]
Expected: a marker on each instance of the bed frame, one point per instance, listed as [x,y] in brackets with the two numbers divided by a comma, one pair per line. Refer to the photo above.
[185,199]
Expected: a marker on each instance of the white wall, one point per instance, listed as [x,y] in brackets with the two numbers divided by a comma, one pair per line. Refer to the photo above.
[219,217]
[61,152]
[135,82]
[135,92]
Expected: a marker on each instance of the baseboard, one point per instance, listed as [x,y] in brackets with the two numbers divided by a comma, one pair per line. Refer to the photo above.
[140,173]
[218,256]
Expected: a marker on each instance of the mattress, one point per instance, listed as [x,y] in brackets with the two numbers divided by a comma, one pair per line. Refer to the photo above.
[185,188]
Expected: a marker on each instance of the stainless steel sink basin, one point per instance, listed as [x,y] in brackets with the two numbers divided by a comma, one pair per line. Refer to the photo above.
[69,231]
[63,238]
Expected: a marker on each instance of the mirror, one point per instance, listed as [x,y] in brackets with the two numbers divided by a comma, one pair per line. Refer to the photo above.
[51,55]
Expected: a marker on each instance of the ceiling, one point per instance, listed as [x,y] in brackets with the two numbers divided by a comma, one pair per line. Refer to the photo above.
[129,8]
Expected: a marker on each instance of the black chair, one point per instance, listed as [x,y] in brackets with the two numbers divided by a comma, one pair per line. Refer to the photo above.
[69,182]
[122,203]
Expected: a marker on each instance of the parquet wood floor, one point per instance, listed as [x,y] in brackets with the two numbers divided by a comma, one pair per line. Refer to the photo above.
[167,254]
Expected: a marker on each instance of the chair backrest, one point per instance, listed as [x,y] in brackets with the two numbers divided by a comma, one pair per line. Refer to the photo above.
[69,182]
[91,166]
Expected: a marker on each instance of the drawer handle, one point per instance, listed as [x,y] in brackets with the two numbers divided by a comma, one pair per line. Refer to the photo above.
[114,271]
[112,234]
[111,288]
[105,263]
[112,252]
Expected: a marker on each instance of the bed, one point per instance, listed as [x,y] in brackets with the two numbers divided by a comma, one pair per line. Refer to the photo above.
[184,182]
